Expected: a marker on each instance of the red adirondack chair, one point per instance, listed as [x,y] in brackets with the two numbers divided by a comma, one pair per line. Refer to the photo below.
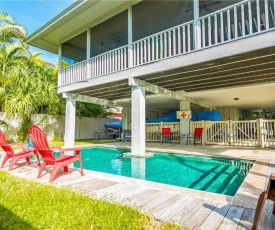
[41,146]
[10,152]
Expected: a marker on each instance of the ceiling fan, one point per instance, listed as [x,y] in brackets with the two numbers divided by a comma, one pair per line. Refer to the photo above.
[115,42]
[204,5]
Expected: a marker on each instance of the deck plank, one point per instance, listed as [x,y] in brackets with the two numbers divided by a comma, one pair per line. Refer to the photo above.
[232,218]
[172,207]
[141,199]
[93,185]
[267,220]
[215,218]
[200,215]
[246,219]
[157,201]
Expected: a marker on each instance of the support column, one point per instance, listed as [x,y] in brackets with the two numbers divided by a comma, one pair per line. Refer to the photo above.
[70,122]
[185,122]
[88,53]
[130,36]
[197,29]
[59,63]
[138,120]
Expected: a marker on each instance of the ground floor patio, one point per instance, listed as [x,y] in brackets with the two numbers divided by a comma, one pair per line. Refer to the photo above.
[192,209]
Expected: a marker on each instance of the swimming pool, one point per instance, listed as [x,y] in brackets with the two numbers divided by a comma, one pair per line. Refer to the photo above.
[212,174]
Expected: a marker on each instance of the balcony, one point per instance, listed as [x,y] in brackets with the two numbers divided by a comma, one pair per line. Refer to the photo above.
[242,20]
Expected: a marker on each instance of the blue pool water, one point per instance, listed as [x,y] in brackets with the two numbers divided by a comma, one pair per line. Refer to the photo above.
[212,174]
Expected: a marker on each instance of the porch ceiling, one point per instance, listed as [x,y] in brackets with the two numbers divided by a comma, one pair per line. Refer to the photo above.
[249,77]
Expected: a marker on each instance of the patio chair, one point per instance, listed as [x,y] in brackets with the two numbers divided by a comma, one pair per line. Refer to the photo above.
[10,154]
[166,135]
[269,193]
[197,136]
[41,146]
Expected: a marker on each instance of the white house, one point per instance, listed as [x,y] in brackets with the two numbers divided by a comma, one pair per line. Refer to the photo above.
[162,56]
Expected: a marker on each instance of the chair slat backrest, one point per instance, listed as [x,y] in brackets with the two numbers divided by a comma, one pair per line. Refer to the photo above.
[166,131]
[40,143]
[5,145]
[198,131]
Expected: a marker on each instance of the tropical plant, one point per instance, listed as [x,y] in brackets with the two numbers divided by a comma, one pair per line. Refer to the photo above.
[10,31]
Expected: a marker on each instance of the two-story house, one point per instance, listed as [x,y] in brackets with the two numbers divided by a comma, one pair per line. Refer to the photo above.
[162,56]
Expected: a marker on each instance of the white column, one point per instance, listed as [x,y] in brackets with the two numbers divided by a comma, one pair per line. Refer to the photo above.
[70,122]
[59,63]
[185,122]
[196,31]
[130,36]
[138,120]
[88,53]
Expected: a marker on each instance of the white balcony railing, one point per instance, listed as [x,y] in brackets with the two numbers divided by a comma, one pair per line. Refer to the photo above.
[168,43]
[240,20]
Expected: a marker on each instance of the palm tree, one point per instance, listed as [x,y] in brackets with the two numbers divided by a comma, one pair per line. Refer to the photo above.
[10,31]
[33,90]
[27,84]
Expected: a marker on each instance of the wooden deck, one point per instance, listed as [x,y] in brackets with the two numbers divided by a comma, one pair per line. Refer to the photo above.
[189,208]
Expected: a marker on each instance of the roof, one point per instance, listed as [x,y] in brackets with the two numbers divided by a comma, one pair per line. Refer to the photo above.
[74,20]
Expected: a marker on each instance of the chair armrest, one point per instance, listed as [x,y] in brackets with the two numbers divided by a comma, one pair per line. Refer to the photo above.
[55,147]
[61,150]
[17,144]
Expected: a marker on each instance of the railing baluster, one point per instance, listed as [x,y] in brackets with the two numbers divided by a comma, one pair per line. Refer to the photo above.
[228,25]
[222,31]
[209,32]
[145,51]
[149,49]
[161,46]
[215,28]
[141,51]
[243,20]
[188,38]
[169,53]
[138,57]
[165,45]
[258,16]
[174,43]
[203,33]
[153,47]
[235,23]
[250,18]
[183,40]
[266,15]
[135,54]
[157,47]
[179,41]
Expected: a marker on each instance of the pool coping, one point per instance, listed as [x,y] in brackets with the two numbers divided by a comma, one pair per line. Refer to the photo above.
[246,196]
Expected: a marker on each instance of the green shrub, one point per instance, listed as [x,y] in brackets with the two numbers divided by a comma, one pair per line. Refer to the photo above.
[30,205]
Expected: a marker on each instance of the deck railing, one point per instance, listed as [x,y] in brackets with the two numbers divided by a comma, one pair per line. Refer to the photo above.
[237,21]
[244,133]
[153,131]
[168,43]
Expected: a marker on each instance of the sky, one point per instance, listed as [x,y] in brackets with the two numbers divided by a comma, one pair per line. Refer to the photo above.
[33,14]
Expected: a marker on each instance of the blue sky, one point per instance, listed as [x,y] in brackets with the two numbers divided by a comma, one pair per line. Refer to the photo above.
[33,14]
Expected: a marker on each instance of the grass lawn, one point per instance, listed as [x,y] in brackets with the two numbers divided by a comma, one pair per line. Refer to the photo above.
[29,205]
